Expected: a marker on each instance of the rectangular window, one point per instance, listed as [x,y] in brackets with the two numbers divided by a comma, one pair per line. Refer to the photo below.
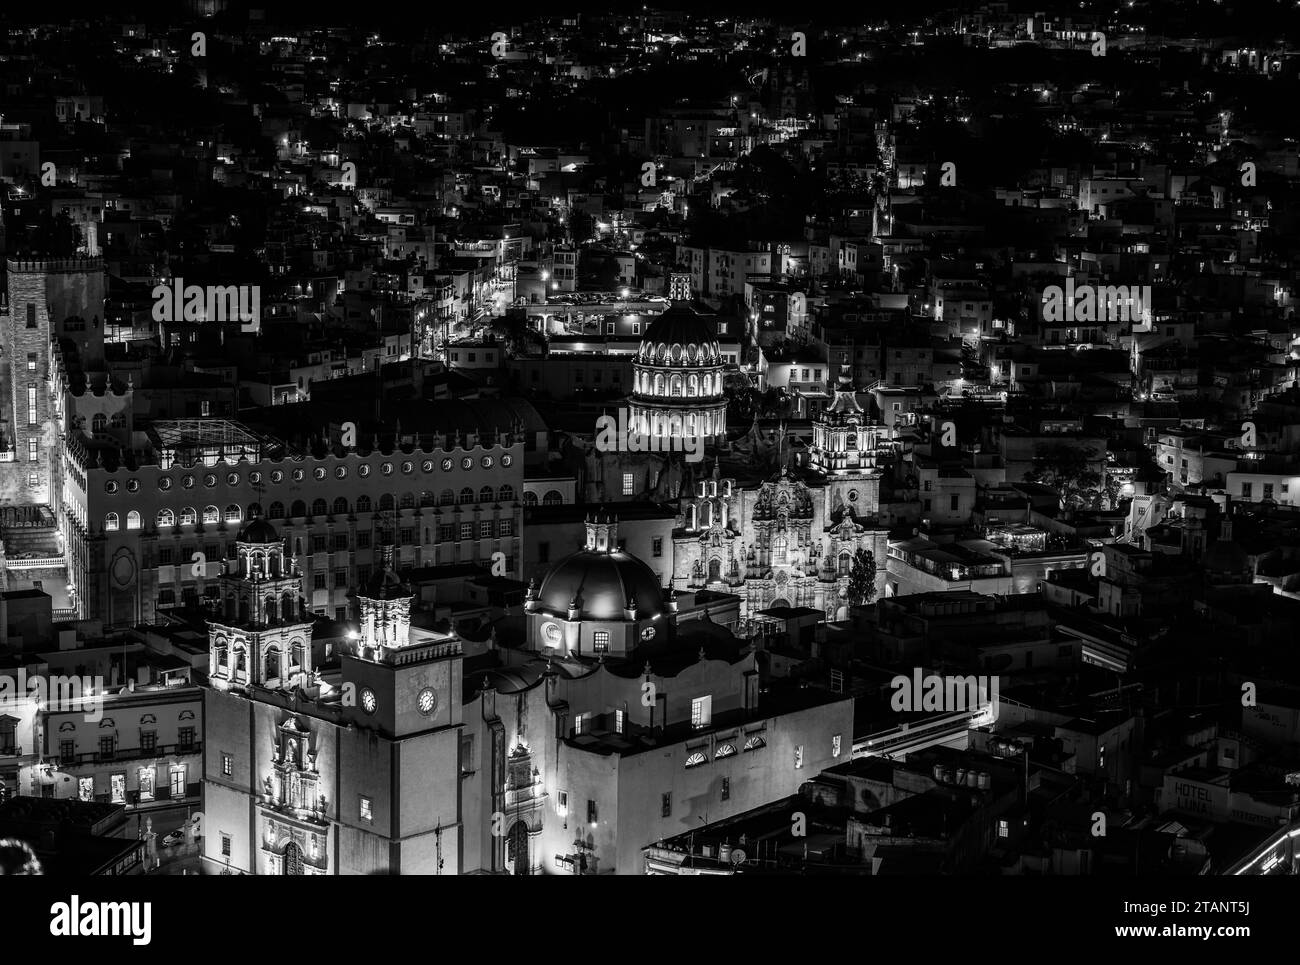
[339,541]
[340,579]
[952,502]
[579,723]
[562,802]
[601,640]
[363,541]
[31,361]
[835,746]
[1004,829]
[145,777]
[178,780]
[225,845]
[657,546]
[446,533]
[318,544]
[666,804]
[620,721]
[1245,490]
[505,527]
[591,812]
[106,746]
[31,405]
[185,738]
[726,789]
[798,756]
[628,482]
[31,450]
[117,788]
[467,753]
[701,711]
[1268,490]
[31,315]
[148,741]
[86,788]
[367,809]
[67,751]
[318,581]
[466,530]
[485,529]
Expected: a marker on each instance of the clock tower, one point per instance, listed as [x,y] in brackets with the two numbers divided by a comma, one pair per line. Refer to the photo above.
[398,679]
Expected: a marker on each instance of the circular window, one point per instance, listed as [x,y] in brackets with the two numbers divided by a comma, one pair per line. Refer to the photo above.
[853,495]
[298,475]
[341,472]
[210,480]
[551,632]
[386,468]
[365,471]
[255,477]
[408,468]
[648,633]
[133,485]
[507,460]
[232,479]
[446,465]
[277,476]
[427,465]
[164,483]
[486,462]
[188,482]
[467,463]
[318,472]
[110,487]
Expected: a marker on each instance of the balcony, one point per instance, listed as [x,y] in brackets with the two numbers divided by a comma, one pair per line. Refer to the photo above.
[130,754]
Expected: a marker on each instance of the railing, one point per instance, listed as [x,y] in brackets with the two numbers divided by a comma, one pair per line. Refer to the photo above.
[130,753]
[33,563]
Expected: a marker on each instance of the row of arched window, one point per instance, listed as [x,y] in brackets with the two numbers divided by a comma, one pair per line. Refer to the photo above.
[701,354]
[678,385]
[319,507]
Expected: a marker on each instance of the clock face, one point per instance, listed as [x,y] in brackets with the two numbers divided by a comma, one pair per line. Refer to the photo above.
[368,700]
[427,701]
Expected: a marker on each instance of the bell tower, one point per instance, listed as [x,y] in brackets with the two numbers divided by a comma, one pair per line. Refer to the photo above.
[263,634]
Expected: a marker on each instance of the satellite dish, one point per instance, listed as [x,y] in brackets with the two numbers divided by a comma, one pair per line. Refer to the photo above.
[738,857]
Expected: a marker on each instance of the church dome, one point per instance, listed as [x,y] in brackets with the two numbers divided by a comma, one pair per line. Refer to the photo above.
[602,579]
[257,530]
[386,584]
[682,337]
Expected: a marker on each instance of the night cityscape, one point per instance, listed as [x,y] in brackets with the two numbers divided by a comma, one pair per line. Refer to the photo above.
[834,443]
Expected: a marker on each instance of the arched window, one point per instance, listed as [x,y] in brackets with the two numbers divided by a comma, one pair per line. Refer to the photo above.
[696,759]
[319,507]
[506,494]
[276,511]
[110,523]
[726,750]
[298,509]
[692,384]
[467,495]
[385,502]
[340,506]
[552,498]
[133,520]
[659,383]
[486,494]
[117,421]
[754,743]
[233,513]
[446,498]
[530,498]
[99,423]
[427,499]
[363,504]
[254,510]
[846,564]
[408,501]
[165,517]
[211,514]
[675,353]
[272,663]
[188,516]
[269,609]
[675,385]
[779,549]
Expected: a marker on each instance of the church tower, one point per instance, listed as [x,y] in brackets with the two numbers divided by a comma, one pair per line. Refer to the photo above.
[263,635]
[844,451]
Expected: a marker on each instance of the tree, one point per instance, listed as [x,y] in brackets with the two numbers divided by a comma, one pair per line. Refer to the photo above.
[1067,468]
[862,578]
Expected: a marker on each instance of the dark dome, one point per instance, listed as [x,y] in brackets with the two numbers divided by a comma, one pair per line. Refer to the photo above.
[257,530]
[682,326]
[603,583]
[386,584]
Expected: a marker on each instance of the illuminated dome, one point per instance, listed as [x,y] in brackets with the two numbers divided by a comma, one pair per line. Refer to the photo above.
[599,581]
[257,530]
[677,378]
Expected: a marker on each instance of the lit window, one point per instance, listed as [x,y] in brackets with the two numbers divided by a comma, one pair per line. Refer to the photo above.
[628,482]
[31,450]
[696,759]
[227,765]
[31,405]
[620,721]
[798,755]
[110,523]
[367,809]
[701,711]
[579,723]
[602,641]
